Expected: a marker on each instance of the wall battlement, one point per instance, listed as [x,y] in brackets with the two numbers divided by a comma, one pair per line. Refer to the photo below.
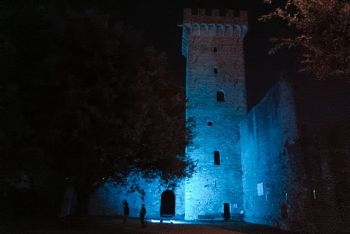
[215,89]
[213,24]
[215,16]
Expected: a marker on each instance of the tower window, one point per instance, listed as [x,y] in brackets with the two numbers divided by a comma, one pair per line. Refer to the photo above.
[210,123]
[220,96]
[216,157]
[215,71]
[215,50]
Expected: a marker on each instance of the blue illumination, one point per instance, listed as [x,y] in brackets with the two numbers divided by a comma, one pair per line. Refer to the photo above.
[202,196]
[215,182]
[168,221]
[255,176]
[108,199]
[266,136]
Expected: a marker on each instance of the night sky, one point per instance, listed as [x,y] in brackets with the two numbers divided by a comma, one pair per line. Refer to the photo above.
[158,21]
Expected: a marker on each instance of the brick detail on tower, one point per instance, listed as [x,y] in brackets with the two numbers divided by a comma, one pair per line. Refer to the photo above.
[215,88]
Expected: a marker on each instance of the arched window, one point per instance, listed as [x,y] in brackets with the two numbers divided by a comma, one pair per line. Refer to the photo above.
[215,71]
[215,49]
[220,96]
[210,124]
[216,157]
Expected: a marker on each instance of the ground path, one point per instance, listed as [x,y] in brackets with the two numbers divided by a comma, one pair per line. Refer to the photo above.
[108,225]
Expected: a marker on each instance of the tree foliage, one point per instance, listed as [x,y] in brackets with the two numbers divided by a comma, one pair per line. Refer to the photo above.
[83,100]
[322,29]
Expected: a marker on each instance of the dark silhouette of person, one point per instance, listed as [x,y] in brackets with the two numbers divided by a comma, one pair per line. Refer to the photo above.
[142,215]
[126,211]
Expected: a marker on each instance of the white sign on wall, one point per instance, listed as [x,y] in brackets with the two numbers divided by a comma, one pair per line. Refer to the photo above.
[260,189]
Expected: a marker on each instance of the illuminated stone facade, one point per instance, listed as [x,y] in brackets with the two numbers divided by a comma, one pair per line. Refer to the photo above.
[285,163]
[108,199]
[295,157]
[270,160]
[215,88]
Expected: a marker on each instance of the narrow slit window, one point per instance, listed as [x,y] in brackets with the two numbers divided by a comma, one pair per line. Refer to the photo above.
[215,50]
[215,71]
[220,96]
[216,157]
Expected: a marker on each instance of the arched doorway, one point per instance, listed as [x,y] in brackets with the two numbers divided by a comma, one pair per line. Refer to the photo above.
[167,206]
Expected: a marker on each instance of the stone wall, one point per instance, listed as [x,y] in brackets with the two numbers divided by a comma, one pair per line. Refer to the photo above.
[108,199]
[215,63]
[213,48]
[272,171]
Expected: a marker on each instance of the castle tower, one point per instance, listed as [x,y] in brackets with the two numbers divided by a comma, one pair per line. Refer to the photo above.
[215,87]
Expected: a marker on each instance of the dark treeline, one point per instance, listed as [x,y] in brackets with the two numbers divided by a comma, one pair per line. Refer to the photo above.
[82,100]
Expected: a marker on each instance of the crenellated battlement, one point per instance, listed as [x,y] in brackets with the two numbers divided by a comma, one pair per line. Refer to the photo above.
[215,16]
[228,24]
[212,44]
[214,23]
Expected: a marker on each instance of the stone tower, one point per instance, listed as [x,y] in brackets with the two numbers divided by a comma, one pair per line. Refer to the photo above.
[215,87]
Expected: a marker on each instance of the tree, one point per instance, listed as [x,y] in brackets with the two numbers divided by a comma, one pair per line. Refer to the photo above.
[322,29]
[85,101]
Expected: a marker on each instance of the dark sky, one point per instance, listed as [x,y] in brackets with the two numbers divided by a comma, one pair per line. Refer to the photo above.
[159,19]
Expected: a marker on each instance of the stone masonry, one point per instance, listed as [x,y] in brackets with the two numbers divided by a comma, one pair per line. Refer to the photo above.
[215,87]
[285,163]
[213,48]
